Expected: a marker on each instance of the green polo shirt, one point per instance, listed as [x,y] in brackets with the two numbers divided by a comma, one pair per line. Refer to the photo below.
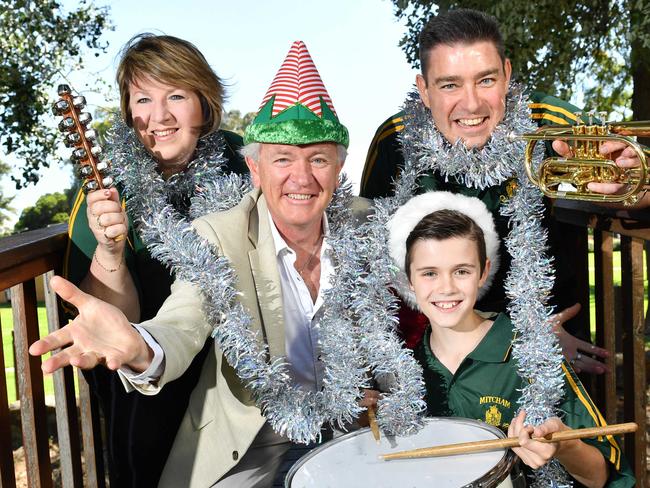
[487,387]
[152,279]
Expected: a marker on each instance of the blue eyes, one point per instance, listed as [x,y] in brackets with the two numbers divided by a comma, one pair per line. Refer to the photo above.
[483,82]
[175,97]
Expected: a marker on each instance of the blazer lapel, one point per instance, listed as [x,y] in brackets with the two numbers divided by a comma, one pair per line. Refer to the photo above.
[264,268]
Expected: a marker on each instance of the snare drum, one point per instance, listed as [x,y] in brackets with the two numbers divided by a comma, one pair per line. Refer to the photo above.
[352,460]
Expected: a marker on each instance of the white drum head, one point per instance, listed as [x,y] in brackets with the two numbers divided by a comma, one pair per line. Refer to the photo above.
[352,460]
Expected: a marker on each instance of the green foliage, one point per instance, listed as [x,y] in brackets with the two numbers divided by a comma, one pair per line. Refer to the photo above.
[39,43]
[5,202]
[233,121]
[51,208]
[102,123]
[560,46]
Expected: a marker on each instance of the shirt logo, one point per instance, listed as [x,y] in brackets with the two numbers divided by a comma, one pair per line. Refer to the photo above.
[493,416]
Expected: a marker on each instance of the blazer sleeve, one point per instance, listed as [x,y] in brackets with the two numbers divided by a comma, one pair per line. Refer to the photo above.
[181,327]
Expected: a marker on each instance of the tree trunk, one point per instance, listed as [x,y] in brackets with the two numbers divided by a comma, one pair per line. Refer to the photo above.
[640,66]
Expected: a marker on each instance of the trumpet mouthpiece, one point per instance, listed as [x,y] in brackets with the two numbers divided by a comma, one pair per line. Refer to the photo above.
[512,137]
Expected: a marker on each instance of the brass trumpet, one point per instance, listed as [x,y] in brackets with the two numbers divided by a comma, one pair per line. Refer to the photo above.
[568,177]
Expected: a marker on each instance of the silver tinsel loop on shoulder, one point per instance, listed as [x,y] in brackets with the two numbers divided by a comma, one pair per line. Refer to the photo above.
[291,411]
[531,276]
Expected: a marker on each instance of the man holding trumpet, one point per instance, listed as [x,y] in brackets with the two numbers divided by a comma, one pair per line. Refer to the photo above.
[466,87]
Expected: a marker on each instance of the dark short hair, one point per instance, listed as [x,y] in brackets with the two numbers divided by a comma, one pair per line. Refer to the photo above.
[460,26]
[441,225]
[170,61]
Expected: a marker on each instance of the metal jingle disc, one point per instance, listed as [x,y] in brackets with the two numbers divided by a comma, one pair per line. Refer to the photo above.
[85,171]
[79,101]
[85,118]
[60,107]
[67,125]
[96,150]
[107,181]
[90,134]
[79,154]
[102,166]
[72,139]
[91,185]
[63,89]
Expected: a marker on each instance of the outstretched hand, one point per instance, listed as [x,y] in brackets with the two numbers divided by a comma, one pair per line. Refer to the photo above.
[582,355]
[101,333]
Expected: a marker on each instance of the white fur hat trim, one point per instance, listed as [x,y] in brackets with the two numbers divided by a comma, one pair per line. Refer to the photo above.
[409,215]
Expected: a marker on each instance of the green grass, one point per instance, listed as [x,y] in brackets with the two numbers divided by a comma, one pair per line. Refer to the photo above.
[6,320]
[616,264]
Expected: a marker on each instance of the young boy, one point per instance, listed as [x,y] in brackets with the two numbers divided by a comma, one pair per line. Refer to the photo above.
[468,368]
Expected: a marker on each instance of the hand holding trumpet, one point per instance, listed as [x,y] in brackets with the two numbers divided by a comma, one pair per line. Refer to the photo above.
[622,154]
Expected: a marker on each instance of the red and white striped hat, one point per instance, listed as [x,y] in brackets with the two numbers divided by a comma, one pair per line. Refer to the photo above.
[297,108]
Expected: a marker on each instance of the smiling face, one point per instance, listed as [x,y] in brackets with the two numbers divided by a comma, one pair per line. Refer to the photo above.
[445,276]
[465,88]
[167,120]
[297,182]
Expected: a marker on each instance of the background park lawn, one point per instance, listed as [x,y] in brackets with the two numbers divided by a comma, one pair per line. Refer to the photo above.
[6,320]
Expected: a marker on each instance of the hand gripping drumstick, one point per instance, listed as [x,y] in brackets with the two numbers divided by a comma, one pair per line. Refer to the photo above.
[508,442]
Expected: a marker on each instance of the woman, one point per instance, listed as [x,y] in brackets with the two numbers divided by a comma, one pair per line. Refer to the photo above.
[171,103]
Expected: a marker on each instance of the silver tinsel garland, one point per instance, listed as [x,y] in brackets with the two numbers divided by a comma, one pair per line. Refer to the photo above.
[530,279]
[291,411]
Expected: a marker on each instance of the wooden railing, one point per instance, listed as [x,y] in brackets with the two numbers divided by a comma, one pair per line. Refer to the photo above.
[22,259]
[622,322]
[26,256]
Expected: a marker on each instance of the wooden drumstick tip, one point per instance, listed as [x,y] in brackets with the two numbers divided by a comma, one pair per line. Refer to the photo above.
[372,420]
[509,442]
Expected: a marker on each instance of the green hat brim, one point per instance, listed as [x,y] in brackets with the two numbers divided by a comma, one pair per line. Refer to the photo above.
[297,132]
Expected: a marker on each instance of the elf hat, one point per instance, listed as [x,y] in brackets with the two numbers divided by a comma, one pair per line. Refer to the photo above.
[412,212]
[297,108]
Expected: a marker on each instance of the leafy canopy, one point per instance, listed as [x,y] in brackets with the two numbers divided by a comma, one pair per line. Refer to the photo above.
[51,208]
[557,46]
[39,43]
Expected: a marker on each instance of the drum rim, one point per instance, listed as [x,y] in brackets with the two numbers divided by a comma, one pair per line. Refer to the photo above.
[499,472]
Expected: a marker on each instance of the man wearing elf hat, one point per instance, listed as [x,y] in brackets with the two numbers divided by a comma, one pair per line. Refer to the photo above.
[457,120]
[284,361]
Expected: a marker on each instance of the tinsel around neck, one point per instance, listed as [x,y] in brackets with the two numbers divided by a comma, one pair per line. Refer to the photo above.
[425,146]
[291,411]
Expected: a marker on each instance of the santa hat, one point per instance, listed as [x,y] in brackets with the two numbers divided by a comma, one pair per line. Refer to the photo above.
[297,108]
[412,212]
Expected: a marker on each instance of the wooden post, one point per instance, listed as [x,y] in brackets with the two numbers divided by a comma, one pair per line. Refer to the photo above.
[634,351]
[67,421]
[605,321]
[32,395]
[7,474]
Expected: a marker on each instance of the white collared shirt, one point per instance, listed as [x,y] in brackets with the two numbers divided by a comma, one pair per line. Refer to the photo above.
[301,318]
[301,315]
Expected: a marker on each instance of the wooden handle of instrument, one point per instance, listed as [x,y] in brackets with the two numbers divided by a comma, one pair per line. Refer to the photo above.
[493,445]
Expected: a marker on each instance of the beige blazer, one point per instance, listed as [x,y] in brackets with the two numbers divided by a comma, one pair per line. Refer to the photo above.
[222,420]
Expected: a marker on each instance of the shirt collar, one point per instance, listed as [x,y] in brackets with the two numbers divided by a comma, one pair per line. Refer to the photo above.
[497,343]
[281,245]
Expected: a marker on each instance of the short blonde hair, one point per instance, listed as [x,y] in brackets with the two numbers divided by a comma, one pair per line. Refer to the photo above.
[171,61]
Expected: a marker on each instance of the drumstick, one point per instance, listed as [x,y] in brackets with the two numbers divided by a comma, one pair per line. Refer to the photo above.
[372,419]
[508,442]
